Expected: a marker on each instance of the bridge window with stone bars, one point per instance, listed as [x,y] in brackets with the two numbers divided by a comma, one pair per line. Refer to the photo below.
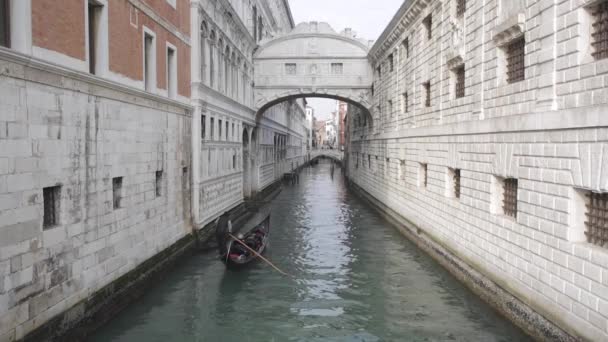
[457,183]
[600,30]
[516,55]
[597,219]
[50,197]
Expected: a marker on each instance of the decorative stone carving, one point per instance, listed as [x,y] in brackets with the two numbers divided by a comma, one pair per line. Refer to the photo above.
[455,53]
[509,29]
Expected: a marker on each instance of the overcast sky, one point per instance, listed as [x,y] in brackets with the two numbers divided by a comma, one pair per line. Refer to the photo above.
[367,18]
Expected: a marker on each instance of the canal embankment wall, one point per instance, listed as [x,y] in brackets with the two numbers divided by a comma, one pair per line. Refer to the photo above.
[500,163]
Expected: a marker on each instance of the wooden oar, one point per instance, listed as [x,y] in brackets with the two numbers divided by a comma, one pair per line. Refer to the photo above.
[257,254]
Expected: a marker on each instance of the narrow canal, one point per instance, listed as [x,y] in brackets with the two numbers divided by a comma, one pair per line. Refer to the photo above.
[355,278]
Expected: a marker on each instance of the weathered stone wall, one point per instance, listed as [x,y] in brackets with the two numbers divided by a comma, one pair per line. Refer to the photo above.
[68,129]
[545,131]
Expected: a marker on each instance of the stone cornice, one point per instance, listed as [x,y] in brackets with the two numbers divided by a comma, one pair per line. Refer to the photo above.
[405,16]
[287,37]
[105,88]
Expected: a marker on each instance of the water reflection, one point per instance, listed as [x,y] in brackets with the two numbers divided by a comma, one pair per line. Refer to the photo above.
[354,279]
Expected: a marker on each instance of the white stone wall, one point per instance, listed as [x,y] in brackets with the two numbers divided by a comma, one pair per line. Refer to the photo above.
[79,132]
[546,131]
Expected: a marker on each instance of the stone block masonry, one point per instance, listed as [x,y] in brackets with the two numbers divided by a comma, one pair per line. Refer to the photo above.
[74,134]
[524,144]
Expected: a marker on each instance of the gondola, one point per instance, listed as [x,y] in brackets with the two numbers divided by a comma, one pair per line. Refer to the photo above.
[255,234]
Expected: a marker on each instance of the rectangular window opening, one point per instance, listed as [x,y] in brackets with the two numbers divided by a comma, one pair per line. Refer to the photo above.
[461,7]
[516,67]
[158,185]
[456,181]
[510,197]
[171,73]
[219,129]
[227,127]
[337,68]
[212,127]
[290,68]
[94,11]
[148,62]
[596,222]
[428,26]
[51,197]
[203,127]
[117,192]
[5,23]
[391,62]
[423,176]
[427,93]
[459,76]
[600,30]
[406,47]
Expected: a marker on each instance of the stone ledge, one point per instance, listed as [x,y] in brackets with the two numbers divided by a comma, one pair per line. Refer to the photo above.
[501,300]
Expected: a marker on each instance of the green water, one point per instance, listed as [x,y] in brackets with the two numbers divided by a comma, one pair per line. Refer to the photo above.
[355,278]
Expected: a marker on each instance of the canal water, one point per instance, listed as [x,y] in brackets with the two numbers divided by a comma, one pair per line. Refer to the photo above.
[354,278]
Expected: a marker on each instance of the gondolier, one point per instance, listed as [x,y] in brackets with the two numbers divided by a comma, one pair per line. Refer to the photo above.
[222,233]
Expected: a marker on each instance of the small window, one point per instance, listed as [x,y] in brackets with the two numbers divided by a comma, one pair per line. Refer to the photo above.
[5,23]
[212,126]
[510,197]
[233,132]
[461,7]
[227,126]
[369,161]
[219,129]
[406,47]
[597,212]
[391,63]
[158,185]
[390,108]
[171,73]
[149,62]
[51,197]
[454,182]
[600,30]
[428,27]
[423,175]
[117,192]
[203,127]
[379,71]
[405,103]
[234,161]
[516,53]
[337,68]
[290,68]
[459,77]
[402,170]
[185,179]
[427,93]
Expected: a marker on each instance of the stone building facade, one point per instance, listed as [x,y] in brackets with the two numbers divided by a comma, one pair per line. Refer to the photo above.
[487,134]
[104,160]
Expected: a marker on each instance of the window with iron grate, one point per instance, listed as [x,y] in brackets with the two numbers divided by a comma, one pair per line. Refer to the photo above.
[51,196]
[597,219]
[4,23]
[516,67]
[600,30]
[428,26]
[427,93]
[423,175]
[459,84]
[391,63]
[116,192]
[158,185]
[203,127]
[461,7]
[509,203]
[290,68]
[337,68]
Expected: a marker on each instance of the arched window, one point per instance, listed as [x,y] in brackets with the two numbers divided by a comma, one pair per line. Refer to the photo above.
[212,59]
[204,50]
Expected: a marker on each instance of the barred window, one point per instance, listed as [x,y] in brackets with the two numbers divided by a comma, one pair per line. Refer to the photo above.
[510,197]
[600,30]
[219,129]
[597,219]
[4,23]
[212,126]
[337,68]
[227,127]
[51,196]
[391,62]
[404,103]
[290,68]
[516,53]
[159,183]
[390,108]
[460,7]
[117,192]
[423,175]
[457,183]
[459,84]
[427,93]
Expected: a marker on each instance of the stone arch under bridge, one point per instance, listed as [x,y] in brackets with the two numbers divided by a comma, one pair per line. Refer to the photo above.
[313,60]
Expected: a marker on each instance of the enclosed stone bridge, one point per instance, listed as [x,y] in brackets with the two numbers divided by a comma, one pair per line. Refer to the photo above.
[324,153]
[313,60]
